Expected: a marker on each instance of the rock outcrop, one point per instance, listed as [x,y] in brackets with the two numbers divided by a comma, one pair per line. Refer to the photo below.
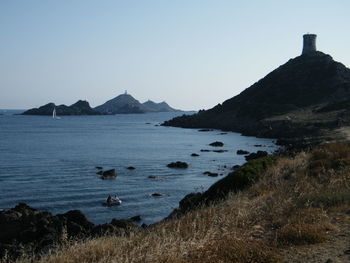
[25,229]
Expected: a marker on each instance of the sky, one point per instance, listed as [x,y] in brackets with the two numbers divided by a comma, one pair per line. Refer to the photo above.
[192,54]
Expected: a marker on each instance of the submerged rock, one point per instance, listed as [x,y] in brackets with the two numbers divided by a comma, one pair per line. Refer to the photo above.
[131,168]
[177,165]
[217,144]
[194,154]
[109,174]
[157,195]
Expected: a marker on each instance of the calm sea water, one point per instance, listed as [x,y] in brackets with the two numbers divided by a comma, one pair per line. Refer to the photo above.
[50,164]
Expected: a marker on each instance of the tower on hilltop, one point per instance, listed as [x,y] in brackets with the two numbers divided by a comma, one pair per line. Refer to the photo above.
[309,45]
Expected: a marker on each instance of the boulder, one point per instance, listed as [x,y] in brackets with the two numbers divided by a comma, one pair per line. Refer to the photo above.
[205,150]
[99,167]
[242,152]
[217,144]
[109,174]
[177,165]
[131,168]
[194,154]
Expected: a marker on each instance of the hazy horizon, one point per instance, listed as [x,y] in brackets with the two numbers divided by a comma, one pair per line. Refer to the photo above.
[191,54]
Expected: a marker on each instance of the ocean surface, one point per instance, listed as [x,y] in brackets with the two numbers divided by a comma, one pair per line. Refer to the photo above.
[50,164]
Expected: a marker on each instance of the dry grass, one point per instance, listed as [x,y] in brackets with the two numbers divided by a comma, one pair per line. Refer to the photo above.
[250,226]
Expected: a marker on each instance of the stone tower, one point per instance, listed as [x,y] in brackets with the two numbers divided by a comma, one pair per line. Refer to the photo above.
[309,45]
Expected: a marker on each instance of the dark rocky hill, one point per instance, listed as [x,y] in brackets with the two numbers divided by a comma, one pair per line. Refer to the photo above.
[79,108]
[310,81]
[125,103]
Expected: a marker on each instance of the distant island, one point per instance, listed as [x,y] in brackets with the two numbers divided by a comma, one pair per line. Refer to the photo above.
[122,104]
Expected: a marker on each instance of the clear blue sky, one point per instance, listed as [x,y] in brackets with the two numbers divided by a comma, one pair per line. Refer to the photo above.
[193,54]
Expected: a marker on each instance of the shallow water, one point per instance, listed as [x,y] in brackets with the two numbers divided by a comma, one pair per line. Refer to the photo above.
[50,164]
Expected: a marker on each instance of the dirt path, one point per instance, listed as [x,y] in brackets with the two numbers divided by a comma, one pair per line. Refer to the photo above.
[335,250]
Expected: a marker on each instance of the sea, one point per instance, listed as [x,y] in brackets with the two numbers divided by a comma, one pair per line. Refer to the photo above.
[51,164]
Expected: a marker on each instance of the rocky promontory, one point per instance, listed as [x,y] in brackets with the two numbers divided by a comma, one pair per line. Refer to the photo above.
[304,97]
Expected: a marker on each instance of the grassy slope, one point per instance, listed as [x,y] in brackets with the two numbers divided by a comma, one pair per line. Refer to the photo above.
[294,212]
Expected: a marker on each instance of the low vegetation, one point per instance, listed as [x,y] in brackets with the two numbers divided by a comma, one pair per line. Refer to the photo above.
[291,205]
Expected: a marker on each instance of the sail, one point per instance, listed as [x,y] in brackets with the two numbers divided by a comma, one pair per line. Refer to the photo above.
[54,113]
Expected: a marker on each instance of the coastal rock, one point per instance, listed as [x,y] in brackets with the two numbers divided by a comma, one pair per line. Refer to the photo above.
[109,174]
[99,167]
[177,164]
[205,150]
[24,229]
[152,177]
[131,168]
[217,144]
[242,152]
[194,154]
[256,155]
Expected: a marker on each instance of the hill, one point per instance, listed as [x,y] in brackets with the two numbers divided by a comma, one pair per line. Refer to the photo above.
[158,107]
[125,103]
[311,85]
[79,108]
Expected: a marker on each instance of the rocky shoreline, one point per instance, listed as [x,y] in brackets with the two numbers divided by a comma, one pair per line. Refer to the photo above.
[25,230]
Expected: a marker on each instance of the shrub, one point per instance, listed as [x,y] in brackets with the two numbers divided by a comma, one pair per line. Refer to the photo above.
[301,234]
[329,156]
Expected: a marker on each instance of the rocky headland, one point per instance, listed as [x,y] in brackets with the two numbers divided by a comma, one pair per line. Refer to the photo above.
[306,97]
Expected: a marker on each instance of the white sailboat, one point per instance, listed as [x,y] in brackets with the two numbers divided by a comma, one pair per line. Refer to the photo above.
[54,115]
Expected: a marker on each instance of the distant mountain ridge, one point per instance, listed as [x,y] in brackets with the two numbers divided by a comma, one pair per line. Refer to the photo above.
[122,104]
